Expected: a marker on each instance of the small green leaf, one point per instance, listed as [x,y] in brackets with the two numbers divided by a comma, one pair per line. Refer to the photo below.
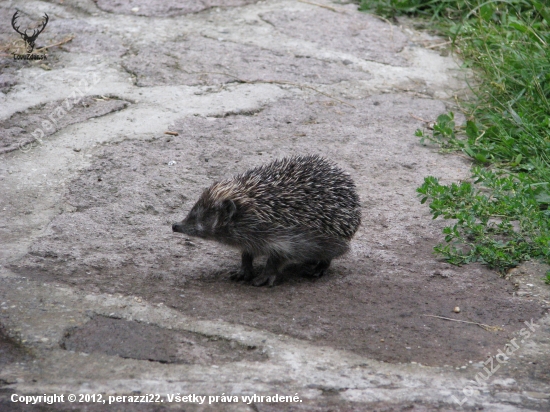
[480,158]
[486,12]
[444,119]
[544,12]
[518,26]
[471,130]
[469,151]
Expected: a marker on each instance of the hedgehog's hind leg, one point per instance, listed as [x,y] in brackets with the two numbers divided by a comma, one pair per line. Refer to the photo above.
[321,268]
[246,272]
[315,268]
[272,269]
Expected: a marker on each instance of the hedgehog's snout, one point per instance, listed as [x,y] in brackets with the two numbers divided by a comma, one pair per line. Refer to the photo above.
[188,228]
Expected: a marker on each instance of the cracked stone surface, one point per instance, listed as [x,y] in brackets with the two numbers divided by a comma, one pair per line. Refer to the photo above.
[137,340]
[202,61]
[99,296]
[75,109]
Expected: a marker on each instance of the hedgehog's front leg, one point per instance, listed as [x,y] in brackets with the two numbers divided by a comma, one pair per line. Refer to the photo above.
[273,268]
[246,272]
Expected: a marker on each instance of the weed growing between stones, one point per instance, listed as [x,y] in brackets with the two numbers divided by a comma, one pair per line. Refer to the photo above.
[501,215]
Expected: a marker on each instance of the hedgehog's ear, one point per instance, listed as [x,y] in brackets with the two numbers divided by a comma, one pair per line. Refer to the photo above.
[229,208]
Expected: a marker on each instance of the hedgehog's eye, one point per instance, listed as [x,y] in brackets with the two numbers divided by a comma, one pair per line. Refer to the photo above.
[198,210]
[193,215]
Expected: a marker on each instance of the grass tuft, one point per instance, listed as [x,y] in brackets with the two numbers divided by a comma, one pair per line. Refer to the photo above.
[501,217]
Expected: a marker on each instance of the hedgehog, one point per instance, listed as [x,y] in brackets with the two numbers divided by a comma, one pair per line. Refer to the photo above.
[300,210]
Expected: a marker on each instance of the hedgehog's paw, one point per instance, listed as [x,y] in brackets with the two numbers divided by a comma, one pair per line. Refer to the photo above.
[321,268]
[265,278]
[241,274]
[236,275]
[314,269]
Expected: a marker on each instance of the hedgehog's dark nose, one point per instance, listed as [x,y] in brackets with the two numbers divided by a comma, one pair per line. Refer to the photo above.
[176,227]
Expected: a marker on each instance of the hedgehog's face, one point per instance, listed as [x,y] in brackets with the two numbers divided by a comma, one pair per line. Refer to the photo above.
[208,220]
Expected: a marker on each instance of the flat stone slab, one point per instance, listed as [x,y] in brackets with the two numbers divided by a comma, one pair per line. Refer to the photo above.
[135,340]
[204,61]
[25,130]
[166,8]
[365,37]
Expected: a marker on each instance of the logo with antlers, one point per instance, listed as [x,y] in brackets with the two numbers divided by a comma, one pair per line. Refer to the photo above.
[29,40]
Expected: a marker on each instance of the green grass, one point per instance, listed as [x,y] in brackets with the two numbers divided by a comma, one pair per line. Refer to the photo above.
[501,216]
